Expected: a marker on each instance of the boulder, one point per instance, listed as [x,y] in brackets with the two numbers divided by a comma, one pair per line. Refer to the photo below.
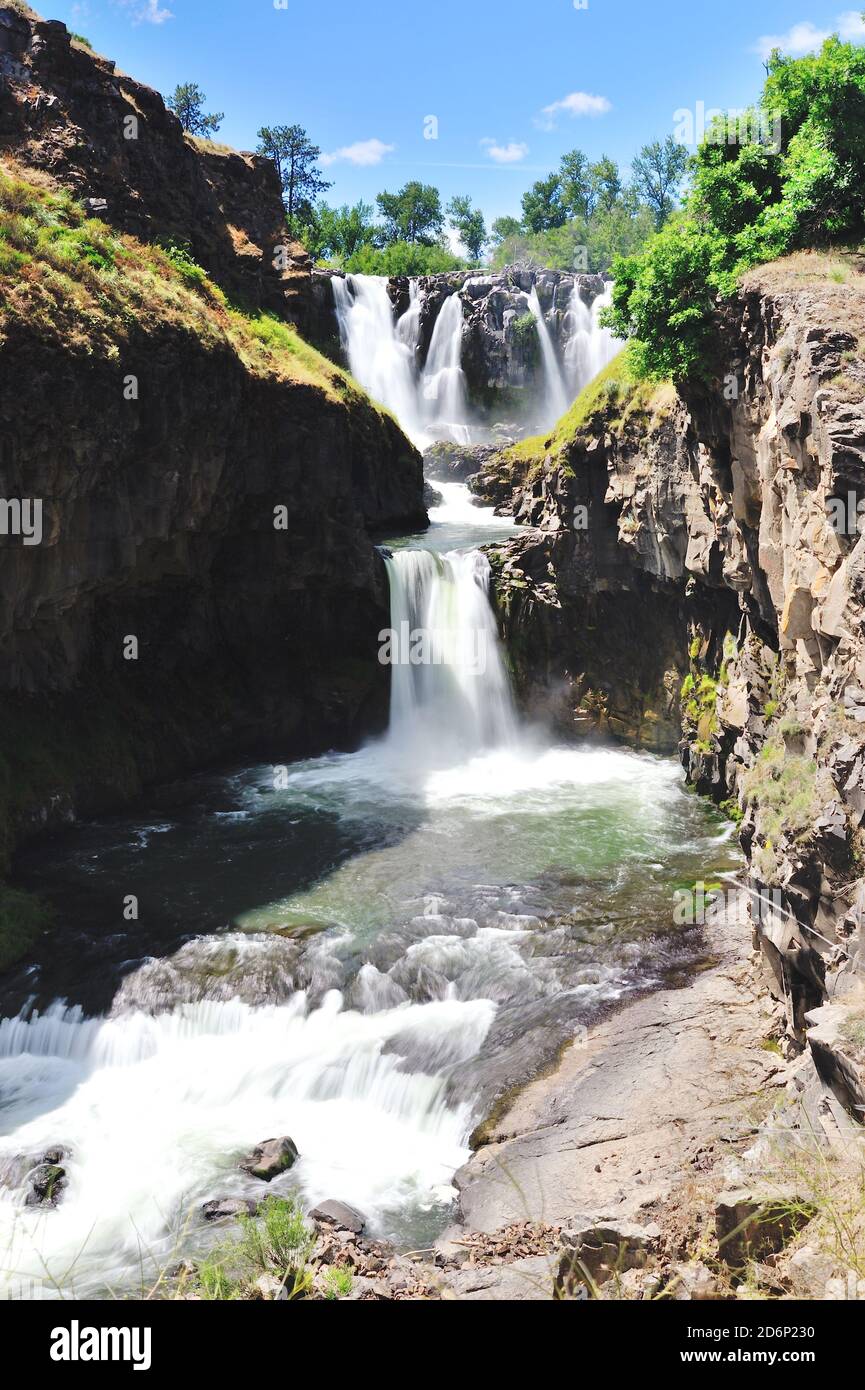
[270,1158]
[333,1213]
[228,1208]
[47,1180]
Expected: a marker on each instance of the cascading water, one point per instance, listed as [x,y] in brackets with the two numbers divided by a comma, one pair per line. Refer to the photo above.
[443,383]
[554,401]
[455,695]
[589,347]
[382,353]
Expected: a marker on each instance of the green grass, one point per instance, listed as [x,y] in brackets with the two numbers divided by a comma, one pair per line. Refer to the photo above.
[614,399]
[276,1243]
[74,278]
[787,792]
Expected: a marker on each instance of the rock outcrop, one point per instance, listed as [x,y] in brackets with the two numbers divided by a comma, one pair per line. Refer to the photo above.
[113,142]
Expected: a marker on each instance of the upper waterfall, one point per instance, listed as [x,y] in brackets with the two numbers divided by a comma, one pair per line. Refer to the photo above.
[447,354]
[382,351]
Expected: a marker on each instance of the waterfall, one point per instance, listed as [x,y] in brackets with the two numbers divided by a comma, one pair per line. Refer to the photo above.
[589,347]
[444,384]
[555,398]
[380,352]
[382,355]
[450,693]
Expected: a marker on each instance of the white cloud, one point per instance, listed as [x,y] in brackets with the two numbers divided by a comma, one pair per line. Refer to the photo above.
[575,104]
[146,11]
[363,152]
[511,153]
[805,37]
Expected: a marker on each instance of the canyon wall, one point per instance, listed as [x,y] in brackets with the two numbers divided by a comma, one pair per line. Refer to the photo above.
[113,142]
[205,582]
[697,574]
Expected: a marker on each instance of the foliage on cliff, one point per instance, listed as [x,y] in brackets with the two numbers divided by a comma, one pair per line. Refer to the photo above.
[788,175]
[615,398]
[78,280]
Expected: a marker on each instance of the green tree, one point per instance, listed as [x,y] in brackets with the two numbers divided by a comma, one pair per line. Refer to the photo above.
[791,174]
[658,171]
[503,228]
[542,205]
[339,233]
[470,224]
[575,186]
[295,158]
[413,214]
[187,103]
[605,185]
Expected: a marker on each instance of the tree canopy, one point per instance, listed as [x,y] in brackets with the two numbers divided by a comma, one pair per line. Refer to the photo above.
[469,223]
[787,175]
[295,157]
[413,214]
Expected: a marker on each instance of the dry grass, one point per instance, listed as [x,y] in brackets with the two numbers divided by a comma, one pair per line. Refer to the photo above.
[74,279]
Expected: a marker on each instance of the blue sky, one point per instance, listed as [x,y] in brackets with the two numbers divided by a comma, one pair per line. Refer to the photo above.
[512,85]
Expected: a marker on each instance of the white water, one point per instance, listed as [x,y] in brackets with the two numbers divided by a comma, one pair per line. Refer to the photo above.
[156,1103]
[460,701]
[156,1110]
[554,401]
[589,346]
[382,355]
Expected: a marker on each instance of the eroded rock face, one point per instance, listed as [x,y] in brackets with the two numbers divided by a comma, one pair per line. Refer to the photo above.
[112,141]
[159,523]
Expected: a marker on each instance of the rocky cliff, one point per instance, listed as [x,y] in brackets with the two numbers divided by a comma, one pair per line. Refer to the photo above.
[202,579]
[697,573]
[113,142]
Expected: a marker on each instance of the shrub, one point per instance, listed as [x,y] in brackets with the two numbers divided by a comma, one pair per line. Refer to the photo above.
[403,258]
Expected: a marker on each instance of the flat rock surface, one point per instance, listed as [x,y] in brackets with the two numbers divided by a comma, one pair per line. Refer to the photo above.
[627,1117]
